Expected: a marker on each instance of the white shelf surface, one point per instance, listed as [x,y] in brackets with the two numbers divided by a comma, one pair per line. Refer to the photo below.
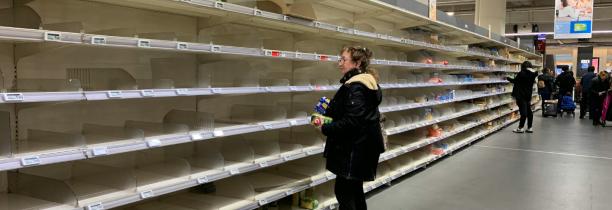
[29,97]
[259,17]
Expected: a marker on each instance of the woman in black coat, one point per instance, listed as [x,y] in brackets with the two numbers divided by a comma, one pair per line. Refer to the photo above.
[522,93]
[599,88]
[354,137]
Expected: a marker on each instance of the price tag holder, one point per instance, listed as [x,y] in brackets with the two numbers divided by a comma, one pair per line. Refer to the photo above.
[234,171]
[144,43]
[53,36]
[95,206]
[202,180]
[219,5]
[146,194]
[182,46]
[290,192]
[182,91]
[30,161]
[147,93]
[114,94]
[13,97]
[263,202]
[215,48]
[154,143]
[99,151]
[218,133]
[196,136]
[263,164]
[98,40]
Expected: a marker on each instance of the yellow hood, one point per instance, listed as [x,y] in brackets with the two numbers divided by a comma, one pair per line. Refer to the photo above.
[365,79]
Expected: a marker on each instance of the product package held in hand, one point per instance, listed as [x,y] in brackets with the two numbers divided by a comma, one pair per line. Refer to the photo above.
[318,119]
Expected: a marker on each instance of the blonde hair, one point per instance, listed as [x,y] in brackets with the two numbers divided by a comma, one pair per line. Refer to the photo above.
[362,57]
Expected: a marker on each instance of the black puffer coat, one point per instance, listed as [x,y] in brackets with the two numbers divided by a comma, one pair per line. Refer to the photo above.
[354,138]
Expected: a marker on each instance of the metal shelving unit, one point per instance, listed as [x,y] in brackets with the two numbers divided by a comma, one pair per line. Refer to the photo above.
[147,142]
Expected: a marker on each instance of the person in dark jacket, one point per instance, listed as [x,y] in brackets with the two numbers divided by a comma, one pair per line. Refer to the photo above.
[354,137]
[522,92]
[548,80]
[566,83]
[585,85]
[598,90]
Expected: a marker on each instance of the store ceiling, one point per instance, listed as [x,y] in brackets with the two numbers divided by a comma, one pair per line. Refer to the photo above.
[541,12]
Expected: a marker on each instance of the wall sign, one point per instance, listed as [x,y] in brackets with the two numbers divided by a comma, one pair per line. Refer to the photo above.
[573,19]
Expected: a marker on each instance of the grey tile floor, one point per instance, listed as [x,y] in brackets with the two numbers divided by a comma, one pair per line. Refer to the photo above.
[565,164]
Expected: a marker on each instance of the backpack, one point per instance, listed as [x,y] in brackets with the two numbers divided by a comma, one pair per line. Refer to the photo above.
[541,84]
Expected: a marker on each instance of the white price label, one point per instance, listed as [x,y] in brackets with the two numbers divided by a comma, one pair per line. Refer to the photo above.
[263,202]
[311,152]
[96,206]
[114,94]
[196,136]
[146,194]
[218,133]
[147,93]
[182,91]
[144,43]
[257,12]
[234,171]
[154,143]
[98,40]
[52,36]
[268,127]
[263,164]
[13,97]
[203,180]
[215,90]
[99,151]
[290,192]
[219,5]
[215,48]
[182,46]
[293,122]
[286,158]
[317,182]
[330,176]
[29,161]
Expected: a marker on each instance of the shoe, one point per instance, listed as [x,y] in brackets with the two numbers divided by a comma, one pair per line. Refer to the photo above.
[519,130]
[529,130]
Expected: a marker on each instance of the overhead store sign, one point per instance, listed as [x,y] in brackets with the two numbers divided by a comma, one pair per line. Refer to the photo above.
[573,19]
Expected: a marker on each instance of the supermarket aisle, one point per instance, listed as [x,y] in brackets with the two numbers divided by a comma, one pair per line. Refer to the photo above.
[565,164]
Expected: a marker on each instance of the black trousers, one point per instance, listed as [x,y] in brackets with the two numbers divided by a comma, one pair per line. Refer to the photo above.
[585,105]
[524,106]
[350,194]
[596,108]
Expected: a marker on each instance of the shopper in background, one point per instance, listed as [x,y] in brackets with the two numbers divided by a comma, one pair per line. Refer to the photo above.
[585,86]
[354,137]
[546,85]
[566,83]
[598,90]
[522,92]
